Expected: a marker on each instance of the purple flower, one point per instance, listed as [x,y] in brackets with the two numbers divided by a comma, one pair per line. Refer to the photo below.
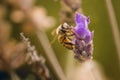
[83,38]
[82,50]
[81,30]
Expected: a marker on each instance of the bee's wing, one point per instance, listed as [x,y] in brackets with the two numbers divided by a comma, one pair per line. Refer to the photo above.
[53,32]
[54,39]
[55,36]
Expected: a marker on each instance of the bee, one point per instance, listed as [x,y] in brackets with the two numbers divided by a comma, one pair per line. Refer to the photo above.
[65,36]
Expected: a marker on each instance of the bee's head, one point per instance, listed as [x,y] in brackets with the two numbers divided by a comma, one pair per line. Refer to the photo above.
[63,28]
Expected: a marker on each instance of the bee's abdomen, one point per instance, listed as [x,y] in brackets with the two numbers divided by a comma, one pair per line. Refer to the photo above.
[68,46]
[66,42]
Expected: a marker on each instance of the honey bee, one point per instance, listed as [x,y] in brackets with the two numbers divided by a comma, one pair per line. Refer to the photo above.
[65,36]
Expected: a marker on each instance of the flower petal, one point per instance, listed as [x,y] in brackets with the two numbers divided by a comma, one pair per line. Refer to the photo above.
[79,18]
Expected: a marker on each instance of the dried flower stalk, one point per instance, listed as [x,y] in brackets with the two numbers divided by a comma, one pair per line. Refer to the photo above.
[36,62]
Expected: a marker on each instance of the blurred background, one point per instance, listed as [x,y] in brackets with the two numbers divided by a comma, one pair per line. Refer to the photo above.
[38,20]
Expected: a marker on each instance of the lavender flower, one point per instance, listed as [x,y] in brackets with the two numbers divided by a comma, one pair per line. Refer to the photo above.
[81,30]
[83,38]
